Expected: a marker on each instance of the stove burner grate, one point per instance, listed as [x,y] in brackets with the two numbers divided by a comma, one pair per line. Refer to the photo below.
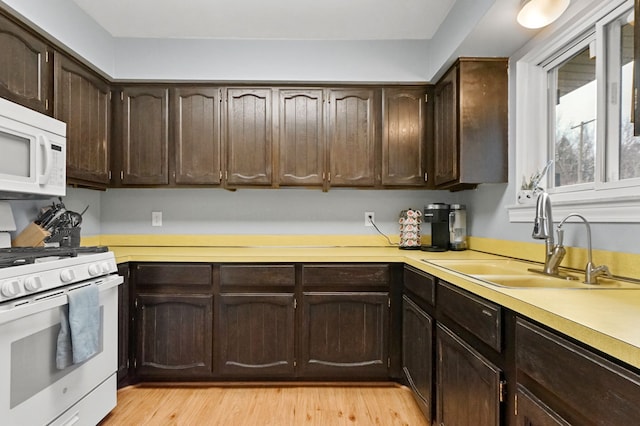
[17,256]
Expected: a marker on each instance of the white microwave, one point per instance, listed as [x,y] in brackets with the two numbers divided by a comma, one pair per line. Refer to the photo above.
[33,151]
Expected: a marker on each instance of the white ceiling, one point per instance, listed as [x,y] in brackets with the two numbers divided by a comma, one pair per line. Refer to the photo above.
[272,19]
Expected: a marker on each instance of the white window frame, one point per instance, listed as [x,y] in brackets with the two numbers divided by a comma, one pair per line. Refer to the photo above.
[599,201]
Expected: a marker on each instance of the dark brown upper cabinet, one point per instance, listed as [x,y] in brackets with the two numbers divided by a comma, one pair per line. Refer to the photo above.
[352,136]
[404,136]
[144,136]
[470,138]
[248,133]
[83,101]
[301,141]
[26,69]
[197,147]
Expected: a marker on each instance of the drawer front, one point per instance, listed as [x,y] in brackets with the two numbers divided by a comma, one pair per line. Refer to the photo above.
[593,387]
[421,284]
[476,315]
[173,274]
[257,275]
[346,275]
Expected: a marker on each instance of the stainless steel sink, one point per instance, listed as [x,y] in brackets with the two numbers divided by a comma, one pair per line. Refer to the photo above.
[485,267]
[541,281]
[510,273]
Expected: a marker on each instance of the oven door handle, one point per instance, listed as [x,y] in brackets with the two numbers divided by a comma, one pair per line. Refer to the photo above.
[52,300]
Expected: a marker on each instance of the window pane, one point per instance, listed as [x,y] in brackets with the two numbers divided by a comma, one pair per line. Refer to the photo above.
[575,119]
[629,145]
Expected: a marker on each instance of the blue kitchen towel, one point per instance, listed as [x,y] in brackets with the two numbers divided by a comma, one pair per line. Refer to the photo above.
[64,355]
[84,321]
[79,334]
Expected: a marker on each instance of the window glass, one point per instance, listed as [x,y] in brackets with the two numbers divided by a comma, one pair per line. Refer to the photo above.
[575,119]
[629,145]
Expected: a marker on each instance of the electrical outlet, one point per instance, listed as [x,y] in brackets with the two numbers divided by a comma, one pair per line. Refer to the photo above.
[369,218]
[156,218]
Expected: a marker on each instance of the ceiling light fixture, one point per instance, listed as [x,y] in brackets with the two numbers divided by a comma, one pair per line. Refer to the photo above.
[540,13]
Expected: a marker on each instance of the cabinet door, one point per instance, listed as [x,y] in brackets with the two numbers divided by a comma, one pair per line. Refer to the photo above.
[468,385]
[417,354]
[25,70]
[83,101]
[174,336]
[531,411]
[404,142]
[352,133]
[249,137]
[345,335]
[301,142]
[445,143]
[144,136]
[123,324]
[196,119]
[256,335]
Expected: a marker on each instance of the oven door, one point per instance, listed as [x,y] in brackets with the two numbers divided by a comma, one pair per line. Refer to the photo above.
[33,391]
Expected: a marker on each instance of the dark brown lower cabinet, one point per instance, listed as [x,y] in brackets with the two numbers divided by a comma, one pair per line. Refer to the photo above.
[174,336]
[533,412]
[468,385]
[123,323]
[574,383]
[417,353]
[345,334]
[256,335]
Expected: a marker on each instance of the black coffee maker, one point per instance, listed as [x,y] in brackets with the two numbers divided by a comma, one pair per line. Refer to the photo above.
[437,214]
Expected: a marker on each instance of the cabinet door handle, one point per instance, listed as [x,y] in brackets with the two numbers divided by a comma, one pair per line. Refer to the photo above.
[487,313]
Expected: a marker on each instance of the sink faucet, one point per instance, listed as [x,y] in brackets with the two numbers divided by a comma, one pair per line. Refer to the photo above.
[591,272]
[543,230]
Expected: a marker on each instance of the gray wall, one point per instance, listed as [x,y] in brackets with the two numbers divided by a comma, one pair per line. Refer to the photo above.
[272,60]
[259,211]
[277,60]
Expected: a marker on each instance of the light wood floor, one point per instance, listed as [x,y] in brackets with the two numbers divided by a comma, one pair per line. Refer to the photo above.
[260,404]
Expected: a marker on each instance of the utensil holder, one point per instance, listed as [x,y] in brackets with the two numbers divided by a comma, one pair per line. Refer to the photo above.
[67,237]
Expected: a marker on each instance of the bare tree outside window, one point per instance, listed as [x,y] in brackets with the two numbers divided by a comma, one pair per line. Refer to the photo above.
[575,122]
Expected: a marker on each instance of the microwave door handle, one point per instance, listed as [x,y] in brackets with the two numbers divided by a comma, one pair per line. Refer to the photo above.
[46,145]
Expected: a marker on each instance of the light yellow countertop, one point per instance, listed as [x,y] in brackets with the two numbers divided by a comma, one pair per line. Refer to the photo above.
[606,319]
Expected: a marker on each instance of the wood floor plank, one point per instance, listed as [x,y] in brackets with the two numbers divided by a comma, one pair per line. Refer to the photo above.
[265,405]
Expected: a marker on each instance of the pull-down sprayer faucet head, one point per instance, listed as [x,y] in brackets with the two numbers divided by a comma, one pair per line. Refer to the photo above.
[543,222]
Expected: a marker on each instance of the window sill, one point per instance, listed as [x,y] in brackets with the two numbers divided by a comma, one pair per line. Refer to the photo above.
[609,210]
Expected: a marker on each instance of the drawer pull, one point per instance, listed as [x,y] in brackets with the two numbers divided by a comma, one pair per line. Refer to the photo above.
[487,313]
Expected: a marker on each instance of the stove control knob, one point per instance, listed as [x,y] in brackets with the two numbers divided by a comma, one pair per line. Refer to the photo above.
[94,269]
[10,288]
[66,275]
[105,267]
[32,283]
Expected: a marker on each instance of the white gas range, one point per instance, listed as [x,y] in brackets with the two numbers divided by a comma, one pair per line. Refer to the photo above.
[35,288]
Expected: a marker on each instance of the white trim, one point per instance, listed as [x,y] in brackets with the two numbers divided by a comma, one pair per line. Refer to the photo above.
[606,210]
[617,202]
